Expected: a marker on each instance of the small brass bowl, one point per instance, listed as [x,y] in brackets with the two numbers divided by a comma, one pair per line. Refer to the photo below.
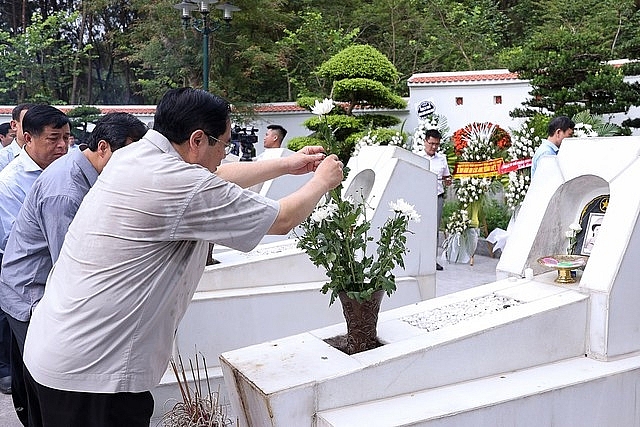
[564,264]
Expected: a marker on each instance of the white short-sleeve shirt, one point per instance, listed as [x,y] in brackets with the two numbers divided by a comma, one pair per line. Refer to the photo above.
[438,165]
[129,266]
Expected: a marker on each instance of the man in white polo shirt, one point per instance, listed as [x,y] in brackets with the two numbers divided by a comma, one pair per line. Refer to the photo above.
[438,165]
[101,336]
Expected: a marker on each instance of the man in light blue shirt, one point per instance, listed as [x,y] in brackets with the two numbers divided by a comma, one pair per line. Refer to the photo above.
[46,131]
[9,152]
[559,128]
[37,235]
[7,134]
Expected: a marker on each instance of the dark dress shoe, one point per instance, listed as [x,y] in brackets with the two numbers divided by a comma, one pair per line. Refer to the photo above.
[439,267]
[5,385]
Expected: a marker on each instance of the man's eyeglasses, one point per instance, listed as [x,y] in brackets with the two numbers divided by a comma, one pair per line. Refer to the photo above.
[227,147]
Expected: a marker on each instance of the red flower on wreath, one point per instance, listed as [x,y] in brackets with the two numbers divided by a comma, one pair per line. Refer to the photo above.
[499,137]
[459,144]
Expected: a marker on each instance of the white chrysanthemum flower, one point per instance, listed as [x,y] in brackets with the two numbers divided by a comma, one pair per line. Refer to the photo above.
[319,215]
[575,227]
[324,212]
[322,108]
[406,209]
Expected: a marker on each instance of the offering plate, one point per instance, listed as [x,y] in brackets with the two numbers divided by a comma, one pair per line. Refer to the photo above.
[564,264]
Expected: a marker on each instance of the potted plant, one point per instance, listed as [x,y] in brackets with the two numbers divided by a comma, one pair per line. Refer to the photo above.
[336,236]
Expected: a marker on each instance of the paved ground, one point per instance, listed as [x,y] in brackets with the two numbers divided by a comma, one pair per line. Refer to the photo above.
[454,277]
[8,416]
[457,277]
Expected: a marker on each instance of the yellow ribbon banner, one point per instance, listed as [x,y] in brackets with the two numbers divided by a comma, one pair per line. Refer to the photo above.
[477,169]
[488,168]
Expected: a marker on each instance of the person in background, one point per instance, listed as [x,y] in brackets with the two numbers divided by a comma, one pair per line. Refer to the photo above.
[101,336]
[7,137]
[45,130]
[9,152]
[72,143]
[274,136]
[560,128]
[6,134]
[36,238]
[438,165]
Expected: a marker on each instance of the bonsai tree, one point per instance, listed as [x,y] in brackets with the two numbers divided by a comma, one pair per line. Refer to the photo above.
[360,77]
[80,119]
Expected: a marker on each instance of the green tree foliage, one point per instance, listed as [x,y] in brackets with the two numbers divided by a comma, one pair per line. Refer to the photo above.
[366,92]
[150,39]
[359,61]
[382,135]
[245,65]
[342,125]
[465,35]
[34,64]
[109,78]
[360,76]
[81,117]
[566,60]
[400,31]
[301,51]
[132,51]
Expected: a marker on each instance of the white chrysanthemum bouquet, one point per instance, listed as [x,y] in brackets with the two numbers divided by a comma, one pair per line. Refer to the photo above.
[337,233]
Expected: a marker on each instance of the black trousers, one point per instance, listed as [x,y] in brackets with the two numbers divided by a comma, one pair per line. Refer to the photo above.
[56,408]
[5,346]
[5,341]
[18,390]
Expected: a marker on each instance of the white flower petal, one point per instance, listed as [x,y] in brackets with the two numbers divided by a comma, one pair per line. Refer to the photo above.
[322,108]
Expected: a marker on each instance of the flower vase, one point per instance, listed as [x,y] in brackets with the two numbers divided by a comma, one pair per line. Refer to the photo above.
[474,213]
[362,321]
[460,247]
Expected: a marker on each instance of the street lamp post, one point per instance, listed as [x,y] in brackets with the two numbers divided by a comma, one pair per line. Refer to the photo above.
[204,26]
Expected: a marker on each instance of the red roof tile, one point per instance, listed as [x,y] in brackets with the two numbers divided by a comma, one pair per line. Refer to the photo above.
[132,109]
[453,78]
[278,108]
[151,109]
[283,107]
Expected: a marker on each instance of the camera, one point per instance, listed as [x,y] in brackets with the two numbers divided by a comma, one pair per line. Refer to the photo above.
[244,140]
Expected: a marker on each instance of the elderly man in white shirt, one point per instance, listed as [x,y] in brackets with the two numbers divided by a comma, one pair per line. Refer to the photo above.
[101,336]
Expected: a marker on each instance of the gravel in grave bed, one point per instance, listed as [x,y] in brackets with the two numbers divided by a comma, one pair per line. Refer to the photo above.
[457,312]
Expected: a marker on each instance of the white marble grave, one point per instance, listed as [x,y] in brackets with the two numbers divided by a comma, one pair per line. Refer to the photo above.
[274,290]
[563,355]
[277,188]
